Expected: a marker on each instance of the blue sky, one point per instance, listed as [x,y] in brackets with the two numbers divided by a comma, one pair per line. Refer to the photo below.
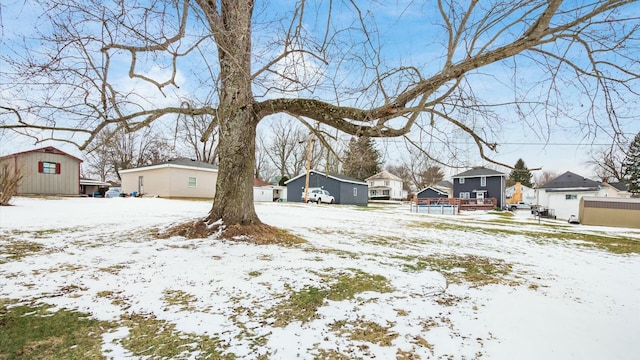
[408,35]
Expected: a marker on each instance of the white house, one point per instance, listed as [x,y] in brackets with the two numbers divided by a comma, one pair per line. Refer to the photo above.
[386,186]
[563,193]
[267,192]
[528,195]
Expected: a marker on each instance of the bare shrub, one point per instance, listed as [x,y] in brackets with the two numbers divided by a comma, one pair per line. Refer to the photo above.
[9,181]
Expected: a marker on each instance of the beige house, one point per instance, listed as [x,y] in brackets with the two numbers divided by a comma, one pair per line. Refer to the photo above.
[45,171]
[176,178]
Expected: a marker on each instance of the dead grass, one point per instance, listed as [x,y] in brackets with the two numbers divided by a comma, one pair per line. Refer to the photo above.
[158,339]
[259,234]
[473,269]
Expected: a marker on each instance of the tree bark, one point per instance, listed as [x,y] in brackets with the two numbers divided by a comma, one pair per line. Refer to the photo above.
[237,120]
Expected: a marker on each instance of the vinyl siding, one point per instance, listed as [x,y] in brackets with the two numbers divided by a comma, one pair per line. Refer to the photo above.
[67,182]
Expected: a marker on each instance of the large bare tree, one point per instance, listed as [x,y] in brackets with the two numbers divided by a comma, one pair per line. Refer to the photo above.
[339,64]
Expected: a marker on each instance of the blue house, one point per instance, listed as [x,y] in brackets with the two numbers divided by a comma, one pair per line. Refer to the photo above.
[346,190]
[480,183]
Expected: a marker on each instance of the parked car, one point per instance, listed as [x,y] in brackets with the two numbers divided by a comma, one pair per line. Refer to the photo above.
[319,196]
[573,220]
[113,193]
[520,205]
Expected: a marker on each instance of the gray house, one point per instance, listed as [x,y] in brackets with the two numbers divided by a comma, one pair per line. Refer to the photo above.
[346,190]
[480,183]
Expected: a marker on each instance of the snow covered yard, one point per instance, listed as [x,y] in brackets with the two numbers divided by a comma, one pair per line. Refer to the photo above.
[377,282]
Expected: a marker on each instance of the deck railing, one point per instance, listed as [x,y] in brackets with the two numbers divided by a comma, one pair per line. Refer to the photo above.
[439,204]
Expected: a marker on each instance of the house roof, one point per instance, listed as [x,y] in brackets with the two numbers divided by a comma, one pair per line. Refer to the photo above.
[569,180]
[620,186]
[178,163]
[444,184]
[478,171]
[383,175]
[259,183]
[46,149]
[339,177]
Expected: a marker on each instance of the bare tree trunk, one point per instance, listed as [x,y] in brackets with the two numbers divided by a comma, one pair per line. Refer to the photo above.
[233,202]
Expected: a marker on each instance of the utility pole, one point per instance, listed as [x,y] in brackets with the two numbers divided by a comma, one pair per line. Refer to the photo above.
[306,181]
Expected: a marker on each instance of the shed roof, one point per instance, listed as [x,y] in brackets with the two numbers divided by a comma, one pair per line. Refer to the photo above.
[338,177]
[478,171]
[46,150]
[444,193]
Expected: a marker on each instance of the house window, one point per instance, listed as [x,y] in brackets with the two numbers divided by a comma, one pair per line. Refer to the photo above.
[192,181]
[465,195]
[461,181]
[46,167]
[386,183]
[571,197]
[483,181]
[370,183]
[355,191]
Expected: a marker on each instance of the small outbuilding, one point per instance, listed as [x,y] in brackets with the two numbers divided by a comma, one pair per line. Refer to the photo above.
[265,192]
[345,190]
[44,171]
[610,211]
[176,178]
[92,187]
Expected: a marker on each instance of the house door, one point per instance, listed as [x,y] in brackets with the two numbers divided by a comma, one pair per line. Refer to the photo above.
[140,185]
[480,197]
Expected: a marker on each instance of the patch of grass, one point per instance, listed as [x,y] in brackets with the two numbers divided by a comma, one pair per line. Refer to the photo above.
[114,269]
[365,331]
[303,304]
[35,332]
[477,270]
[330,355]
[18,249]
[343,254]
[502,213]
[180,298]
[115,296]
[616,245]
[157,339]
[254,273]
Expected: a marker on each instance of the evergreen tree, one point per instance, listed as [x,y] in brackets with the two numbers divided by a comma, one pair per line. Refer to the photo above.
[361,159]
[632,166]
[520,173]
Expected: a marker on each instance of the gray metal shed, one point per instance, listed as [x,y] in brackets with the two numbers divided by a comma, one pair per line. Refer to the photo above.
[346,190]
